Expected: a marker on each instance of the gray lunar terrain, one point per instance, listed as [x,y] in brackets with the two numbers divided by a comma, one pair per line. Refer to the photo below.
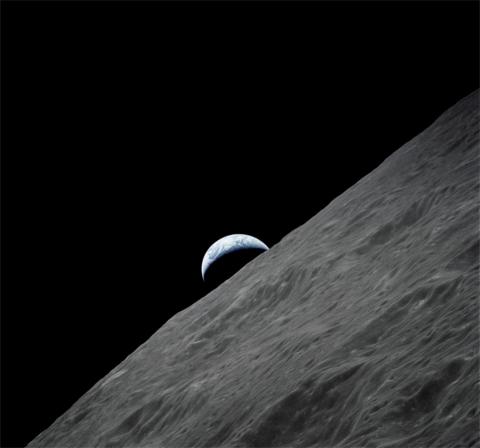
[358,329]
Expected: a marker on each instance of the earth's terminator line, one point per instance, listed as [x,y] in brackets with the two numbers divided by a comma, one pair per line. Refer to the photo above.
[228,244]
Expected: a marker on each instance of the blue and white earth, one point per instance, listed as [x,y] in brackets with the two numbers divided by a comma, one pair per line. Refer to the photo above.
[228,244]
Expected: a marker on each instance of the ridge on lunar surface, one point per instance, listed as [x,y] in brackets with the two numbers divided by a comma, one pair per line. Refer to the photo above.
[358,329]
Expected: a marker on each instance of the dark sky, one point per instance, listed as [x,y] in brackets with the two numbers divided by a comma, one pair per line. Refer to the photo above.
[135,135]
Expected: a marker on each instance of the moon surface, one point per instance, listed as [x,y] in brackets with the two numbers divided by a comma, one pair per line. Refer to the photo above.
[228,244]
[358,329]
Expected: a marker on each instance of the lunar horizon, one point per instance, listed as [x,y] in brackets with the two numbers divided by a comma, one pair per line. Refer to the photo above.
[359,328]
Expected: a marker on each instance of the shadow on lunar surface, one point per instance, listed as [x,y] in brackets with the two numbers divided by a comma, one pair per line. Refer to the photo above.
[228,265]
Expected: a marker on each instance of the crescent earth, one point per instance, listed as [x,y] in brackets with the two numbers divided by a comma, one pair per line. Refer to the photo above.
[228,244]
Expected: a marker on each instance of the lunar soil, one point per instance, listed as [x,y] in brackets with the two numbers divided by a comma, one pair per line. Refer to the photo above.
[358,329]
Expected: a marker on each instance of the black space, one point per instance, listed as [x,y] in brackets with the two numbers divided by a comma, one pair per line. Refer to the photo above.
[136,134]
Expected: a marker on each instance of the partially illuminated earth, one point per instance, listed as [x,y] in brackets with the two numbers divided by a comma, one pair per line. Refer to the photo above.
[358,329]
[229,244]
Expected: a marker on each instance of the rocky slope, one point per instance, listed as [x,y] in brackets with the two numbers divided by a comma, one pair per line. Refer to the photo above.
[358,329]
